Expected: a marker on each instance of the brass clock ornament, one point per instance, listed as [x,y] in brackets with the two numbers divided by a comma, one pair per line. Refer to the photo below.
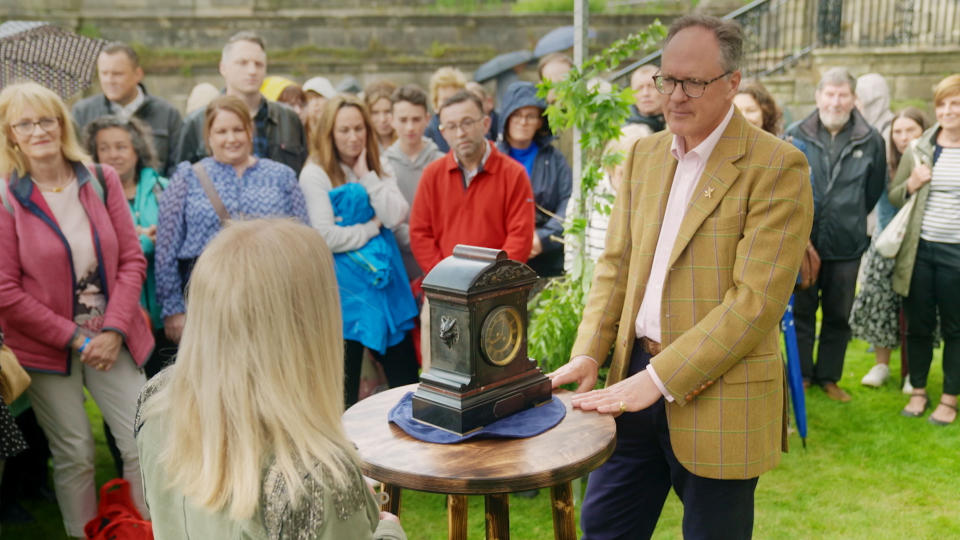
[479,369]
[500,335]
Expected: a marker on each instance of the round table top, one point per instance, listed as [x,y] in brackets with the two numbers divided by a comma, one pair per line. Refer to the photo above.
[577,445]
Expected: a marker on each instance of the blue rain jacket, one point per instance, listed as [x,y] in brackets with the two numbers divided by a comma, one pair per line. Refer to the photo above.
[375,298]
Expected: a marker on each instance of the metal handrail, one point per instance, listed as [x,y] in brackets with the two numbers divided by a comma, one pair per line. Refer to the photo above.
[779,33]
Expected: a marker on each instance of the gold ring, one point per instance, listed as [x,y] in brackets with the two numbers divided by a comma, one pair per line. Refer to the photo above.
[623,406]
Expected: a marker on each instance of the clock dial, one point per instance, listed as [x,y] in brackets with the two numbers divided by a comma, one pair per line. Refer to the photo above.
[500,335]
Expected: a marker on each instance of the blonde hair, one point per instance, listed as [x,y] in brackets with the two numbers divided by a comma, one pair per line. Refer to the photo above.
[445,76]
[13,100]
[376,91]
[948,87]
[259,374]
[324,152]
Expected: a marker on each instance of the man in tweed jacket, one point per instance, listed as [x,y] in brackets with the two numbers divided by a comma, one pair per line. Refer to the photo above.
[703,249]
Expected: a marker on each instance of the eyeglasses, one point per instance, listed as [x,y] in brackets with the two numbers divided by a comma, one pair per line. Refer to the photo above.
[464,125]
[691,87]
[26,127]
[526,117]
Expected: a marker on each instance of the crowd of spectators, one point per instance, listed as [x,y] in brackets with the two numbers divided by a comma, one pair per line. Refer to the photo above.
[117,213]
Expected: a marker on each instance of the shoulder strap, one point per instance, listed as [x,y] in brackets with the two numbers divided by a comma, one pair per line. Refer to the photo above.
[211,191]
[100,186]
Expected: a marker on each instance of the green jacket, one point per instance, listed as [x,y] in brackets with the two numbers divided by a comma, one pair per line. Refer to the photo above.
[324,512]
[145,210]
[903,268]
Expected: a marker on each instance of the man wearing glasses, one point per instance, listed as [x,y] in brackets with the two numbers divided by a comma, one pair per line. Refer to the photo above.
[474,195]
[703,250]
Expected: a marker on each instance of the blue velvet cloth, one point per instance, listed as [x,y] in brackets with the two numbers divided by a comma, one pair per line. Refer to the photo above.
[516,426]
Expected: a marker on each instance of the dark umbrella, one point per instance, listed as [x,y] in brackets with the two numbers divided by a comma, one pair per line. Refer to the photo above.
[349,85]
[56,58]
[500,64]
[794,376]
[556,40]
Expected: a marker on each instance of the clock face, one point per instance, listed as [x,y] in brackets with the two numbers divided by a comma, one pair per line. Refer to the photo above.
[500,335]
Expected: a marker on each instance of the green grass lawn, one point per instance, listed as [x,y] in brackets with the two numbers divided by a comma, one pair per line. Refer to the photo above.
[866,473]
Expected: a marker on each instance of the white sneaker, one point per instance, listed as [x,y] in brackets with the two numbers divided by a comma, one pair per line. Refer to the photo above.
[877,375]
[907,387]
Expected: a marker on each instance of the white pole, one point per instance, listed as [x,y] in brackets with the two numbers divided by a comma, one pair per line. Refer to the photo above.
[581,10]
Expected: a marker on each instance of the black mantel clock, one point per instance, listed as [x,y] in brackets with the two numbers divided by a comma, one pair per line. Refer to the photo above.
[479,369]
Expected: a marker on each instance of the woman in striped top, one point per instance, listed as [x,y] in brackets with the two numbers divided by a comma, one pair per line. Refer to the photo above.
[927,269]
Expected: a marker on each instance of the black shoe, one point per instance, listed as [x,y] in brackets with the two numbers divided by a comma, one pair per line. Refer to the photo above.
[15,513]
[41,492]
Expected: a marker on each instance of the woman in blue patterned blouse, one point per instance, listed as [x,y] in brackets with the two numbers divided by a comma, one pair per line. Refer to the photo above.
[249,187]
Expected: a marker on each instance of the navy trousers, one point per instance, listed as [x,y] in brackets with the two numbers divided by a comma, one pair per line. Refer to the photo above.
[626,494]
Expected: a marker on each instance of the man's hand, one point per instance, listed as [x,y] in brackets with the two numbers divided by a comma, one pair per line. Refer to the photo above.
[581,370]
[102,350]
[173,326]
[537,247]
[629,395]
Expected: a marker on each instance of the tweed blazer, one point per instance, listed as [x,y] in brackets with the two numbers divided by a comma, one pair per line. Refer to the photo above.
[730,276]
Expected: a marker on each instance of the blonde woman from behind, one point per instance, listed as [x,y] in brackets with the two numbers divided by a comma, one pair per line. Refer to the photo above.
[242,436]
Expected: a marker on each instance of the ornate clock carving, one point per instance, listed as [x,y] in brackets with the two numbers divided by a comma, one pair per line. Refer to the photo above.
[479,370]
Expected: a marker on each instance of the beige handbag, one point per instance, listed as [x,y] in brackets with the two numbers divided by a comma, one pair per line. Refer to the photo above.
[14,380]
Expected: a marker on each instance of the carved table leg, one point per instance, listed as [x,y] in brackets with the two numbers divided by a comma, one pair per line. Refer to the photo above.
[457,517]
[392,505]
[564,524]
[497,509]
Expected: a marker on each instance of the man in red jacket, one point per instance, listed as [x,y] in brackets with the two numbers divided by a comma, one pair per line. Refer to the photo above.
[474,195]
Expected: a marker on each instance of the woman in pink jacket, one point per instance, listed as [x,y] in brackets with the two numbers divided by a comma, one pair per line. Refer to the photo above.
[70,276]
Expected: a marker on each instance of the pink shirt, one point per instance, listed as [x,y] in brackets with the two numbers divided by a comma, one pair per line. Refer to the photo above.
[690,166]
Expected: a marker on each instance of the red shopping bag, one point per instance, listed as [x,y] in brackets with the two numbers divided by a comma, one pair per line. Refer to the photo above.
[117,518]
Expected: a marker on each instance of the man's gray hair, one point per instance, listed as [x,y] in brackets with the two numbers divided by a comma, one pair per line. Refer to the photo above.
[838,76]
[728,32]
[245,35]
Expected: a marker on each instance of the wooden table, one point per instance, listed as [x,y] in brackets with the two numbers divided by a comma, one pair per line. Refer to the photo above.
[489,467]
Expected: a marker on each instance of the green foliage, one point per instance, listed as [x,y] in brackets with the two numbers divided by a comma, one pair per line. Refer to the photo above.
[555,6]
[599,115]
[554,316]
[467,5]
[89,30]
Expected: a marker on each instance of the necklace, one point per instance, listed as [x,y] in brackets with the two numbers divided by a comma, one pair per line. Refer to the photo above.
[61,184]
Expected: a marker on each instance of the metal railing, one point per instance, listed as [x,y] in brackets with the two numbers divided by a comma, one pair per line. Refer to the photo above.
[781,32]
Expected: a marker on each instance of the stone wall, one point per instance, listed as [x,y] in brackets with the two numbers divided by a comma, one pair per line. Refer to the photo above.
[179,51]
[911,73]
[405,40]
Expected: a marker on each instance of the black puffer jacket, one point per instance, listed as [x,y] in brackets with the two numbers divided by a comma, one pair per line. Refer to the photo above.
[162,117]
[552,179]
[846,191]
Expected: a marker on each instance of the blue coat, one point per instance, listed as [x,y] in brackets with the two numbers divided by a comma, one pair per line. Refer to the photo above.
[375,298]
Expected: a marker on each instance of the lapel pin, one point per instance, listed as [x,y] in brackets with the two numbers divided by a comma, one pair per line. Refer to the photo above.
[708,192]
